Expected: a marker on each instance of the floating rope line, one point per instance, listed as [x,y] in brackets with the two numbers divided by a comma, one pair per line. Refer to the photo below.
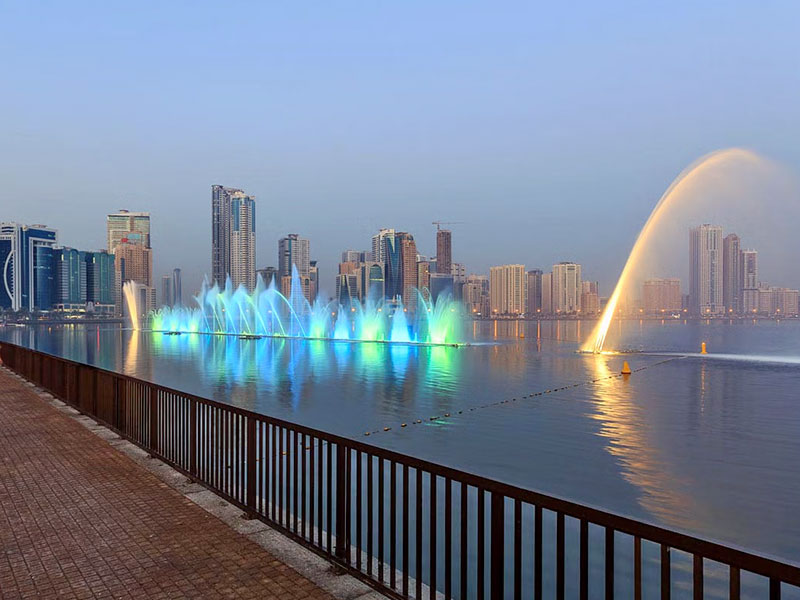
[518,398]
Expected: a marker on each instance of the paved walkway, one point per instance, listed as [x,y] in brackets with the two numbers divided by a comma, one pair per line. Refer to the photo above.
[79,519]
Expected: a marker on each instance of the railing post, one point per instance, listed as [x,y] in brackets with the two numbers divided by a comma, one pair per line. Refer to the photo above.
[341,495]
[95,392]
[193,437]
[251,465]
[153,420]
[496,581]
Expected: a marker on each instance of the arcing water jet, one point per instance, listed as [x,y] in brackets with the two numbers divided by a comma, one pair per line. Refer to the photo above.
[682,184]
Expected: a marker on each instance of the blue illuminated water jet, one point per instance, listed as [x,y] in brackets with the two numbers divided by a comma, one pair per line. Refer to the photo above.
[267,312]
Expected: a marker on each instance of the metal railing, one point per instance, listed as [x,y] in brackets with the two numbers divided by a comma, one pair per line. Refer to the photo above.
[408,527]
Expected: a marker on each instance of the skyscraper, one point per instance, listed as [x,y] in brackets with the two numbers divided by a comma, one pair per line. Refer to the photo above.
[70,292]
[705,270]
[222,228]
[424,277]
[26,266]
[134,262]
[507,289]
[731,274]
[177,287]
[294,251]
[372,281]
[566,288]
[100,281]
[547,293]
[390,254]
[133,227]
[268,275]
[167,297]
[459,272]
[243,242]
[444,251]
[749,269]
[356,256]
[408,274]
[590,298]
[313,281]
[379,244]
[534,283]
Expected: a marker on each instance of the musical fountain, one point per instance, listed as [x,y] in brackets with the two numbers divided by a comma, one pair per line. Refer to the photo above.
[717,169]
[266,312]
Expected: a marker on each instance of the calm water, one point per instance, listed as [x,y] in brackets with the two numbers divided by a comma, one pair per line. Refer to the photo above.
[706,444]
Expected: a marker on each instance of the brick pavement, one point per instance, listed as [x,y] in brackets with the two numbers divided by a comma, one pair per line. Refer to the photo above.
[79,519]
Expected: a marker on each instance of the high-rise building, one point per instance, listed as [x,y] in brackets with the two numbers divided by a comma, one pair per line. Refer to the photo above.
[145,299]
[424,278]
[127,226]
[441,285]
[131,228]
[379,244]
[134,262]
[476,295]
[357,256]
[731,273]
[507,290]
[547,294]
[313,281]
[268,275]
[408,269]
[372,281]
[243,242]
[566,288]
[167,297]
[661,296]
[26,266]
[748,265]
[221,230]
[444,251]
[177,288]
[534,283]
[705,270]
[458,271]
[294,251]
[100,281]
[590,298]
[70,293]
[392,270]
[347,288]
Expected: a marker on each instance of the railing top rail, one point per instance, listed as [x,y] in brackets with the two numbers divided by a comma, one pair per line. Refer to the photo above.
[716,551]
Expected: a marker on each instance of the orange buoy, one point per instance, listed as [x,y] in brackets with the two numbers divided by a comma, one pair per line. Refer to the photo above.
[626,368]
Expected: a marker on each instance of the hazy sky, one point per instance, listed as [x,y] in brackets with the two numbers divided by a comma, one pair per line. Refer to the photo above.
[548,129]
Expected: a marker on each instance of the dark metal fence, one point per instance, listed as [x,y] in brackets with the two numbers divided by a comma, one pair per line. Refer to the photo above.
[408,527]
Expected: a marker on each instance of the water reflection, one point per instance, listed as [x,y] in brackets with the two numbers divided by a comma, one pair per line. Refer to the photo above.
[628,432]
[275,364]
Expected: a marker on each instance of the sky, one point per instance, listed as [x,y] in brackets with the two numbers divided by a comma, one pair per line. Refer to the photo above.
[547,131]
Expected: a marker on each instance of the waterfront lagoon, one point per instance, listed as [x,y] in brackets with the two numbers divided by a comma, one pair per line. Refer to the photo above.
[707,444]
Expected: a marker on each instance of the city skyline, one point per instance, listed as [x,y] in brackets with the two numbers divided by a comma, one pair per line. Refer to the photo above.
[723,278]
[519,135]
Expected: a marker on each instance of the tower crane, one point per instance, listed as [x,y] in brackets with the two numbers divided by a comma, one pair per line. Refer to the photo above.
[440,223]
